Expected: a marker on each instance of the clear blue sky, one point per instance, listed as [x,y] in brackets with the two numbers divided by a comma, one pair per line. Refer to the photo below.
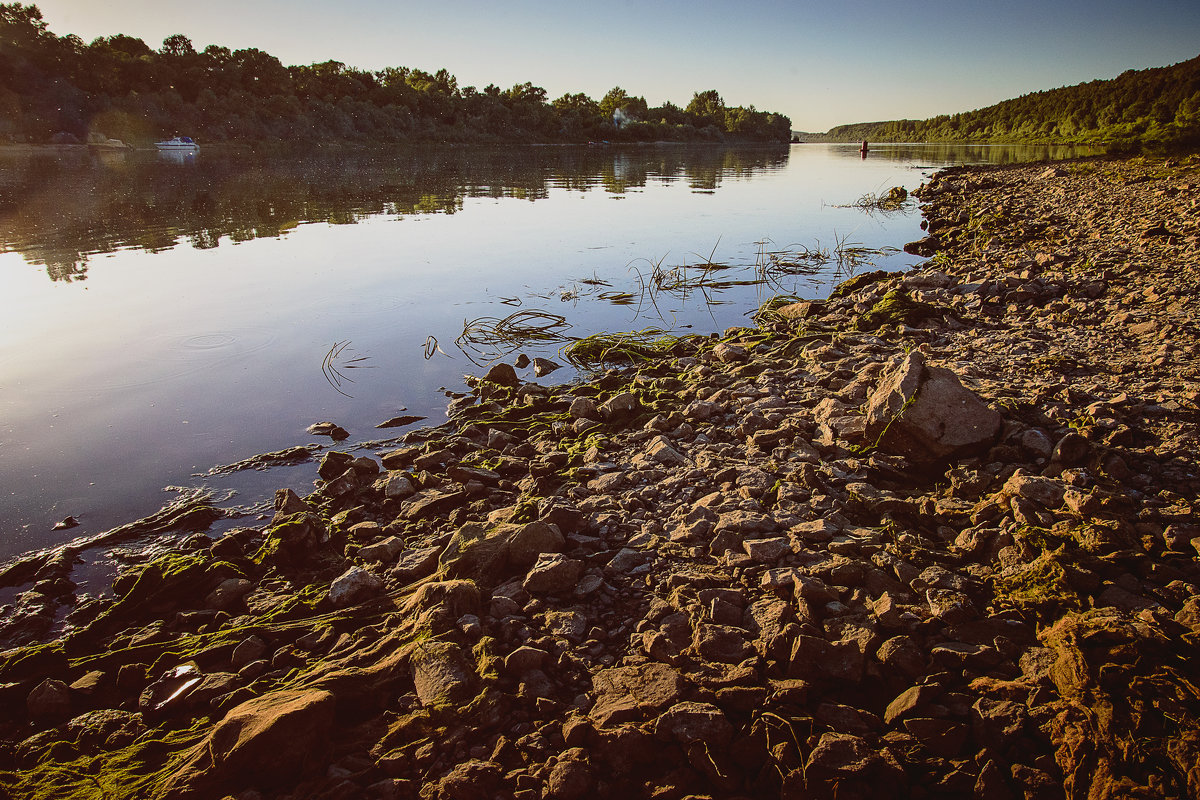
[821,63]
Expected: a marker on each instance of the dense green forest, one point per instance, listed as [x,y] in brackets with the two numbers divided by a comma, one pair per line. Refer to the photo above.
[58,88]
[1159,106]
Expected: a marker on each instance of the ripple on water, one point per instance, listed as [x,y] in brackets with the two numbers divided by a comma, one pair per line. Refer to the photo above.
[178,355]
[209,341]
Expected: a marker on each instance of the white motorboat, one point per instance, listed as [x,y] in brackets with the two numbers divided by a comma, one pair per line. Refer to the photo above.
[178,144]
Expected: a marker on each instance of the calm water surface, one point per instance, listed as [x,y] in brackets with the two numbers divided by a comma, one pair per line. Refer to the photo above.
[162,317]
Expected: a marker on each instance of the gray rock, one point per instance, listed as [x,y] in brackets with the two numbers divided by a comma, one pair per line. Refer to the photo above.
[355,585]
[384,550]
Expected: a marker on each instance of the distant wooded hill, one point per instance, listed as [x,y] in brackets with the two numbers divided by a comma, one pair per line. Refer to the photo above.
[57,88]
[1159,106]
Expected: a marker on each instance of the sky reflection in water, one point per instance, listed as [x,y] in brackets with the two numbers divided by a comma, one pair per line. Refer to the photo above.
[165,318]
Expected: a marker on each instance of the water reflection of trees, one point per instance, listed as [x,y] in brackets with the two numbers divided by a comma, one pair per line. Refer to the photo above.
[58,209]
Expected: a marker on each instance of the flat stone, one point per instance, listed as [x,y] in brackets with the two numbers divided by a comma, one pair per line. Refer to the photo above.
[689,722]
[554,574]
[907,703]
[414,564]
[278,738]
[627,694]
[524,659]
[842,754]
[767,551]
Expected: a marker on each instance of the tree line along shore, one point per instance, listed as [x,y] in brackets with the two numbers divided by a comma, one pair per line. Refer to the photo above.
[1155,108]
[58,88]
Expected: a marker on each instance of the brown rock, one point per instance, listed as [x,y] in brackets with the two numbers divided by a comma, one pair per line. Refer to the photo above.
[721,643]
[503,374]
[270,741]
[942,737]
[902,654]
[571,776]
[50,699]
[923,413]
[553,574]
[470,780]
[442,673]
[527,542]
[625,694]
[689,722]
[842,754]
[908,702]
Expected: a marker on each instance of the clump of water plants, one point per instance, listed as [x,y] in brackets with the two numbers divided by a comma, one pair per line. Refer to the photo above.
[598,349]
[889,202]
[491,338]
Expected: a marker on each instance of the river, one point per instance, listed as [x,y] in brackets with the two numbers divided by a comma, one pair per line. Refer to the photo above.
[163,317]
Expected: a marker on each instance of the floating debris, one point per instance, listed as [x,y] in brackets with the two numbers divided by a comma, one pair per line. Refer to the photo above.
[396,422]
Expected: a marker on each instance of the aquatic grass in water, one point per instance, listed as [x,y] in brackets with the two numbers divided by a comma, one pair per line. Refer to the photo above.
[490,338]
[893,201]
[340,358]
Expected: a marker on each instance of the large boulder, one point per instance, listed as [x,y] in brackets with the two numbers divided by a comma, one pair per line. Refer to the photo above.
[924,414]
[268,742]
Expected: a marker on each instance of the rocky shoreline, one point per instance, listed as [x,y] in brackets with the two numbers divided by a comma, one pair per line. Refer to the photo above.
[932,537]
